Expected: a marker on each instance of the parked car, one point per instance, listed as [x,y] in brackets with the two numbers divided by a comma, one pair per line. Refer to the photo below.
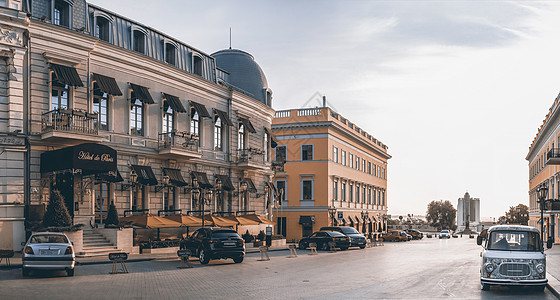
[322,239]
[394,236]
[48,251]
[215,243]
[444,234]
[416,235]
[408,236]
[512,255]
[356,238]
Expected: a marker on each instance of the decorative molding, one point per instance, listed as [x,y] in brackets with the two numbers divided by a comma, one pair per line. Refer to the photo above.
[60,59]
[10,37]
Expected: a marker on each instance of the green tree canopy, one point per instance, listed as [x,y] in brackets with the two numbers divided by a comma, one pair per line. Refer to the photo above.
[441,214]
[57,214]
[517,215]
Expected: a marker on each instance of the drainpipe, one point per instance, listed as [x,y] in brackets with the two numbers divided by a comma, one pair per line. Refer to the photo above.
[27,124]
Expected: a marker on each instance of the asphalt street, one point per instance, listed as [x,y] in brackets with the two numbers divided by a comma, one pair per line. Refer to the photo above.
[425,269]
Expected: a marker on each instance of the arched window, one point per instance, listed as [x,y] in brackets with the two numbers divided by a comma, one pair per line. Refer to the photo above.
[197,65]
[218,134]
[138,39]
[170,53]
[61,13]
[103,27]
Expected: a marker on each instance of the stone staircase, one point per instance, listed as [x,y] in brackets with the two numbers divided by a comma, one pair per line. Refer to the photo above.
[95,244]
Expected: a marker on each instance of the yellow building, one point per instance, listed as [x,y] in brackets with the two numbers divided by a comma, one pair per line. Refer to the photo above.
[328,172]
[544,171]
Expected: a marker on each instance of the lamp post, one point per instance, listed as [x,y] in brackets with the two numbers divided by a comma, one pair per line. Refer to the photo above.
[219,194]
[244,193]
[332,214]
[365,215]
[542,193]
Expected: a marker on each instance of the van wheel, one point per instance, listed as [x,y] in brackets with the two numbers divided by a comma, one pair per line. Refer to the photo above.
[484,286]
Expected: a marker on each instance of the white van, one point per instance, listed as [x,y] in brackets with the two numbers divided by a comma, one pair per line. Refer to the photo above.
[512,255]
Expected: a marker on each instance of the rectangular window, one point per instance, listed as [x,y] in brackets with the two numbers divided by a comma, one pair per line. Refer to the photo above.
[281,188]
[378,171]
[369,167]
[364,165]
[383,173]
[100,106]
[357,194]
[343,157]
[343,191]
[170,54]
[350,192]
[61,13]
[241,136]
[195,123]
[351,160]
[335,154]
[383,198]
[357,163]
[218,134]
[136,117]
[335,189]
[364,195]
[281,153]
[374,197]
[307,189]
[369,195]
[138,41]
[167,118]
[306,152]
[59,94]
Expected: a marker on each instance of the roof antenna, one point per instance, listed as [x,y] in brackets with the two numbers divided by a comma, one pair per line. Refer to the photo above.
[230,38]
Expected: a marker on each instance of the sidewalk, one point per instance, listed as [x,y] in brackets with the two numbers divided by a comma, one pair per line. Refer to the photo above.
[553,269]
[15,262]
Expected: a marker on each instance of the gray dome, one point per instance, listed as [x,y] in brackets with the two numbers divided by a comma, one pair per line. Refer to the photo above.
[244,73]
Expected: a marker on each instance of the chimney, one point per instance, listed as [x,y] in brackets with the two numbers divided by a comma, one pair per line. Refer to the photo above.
[324,101]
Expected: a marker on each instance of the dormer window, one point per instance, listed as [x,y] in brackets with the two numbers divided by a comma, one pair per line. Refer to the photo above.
[138,41]
[61,13]
[102,29]
[197,65]
[170,53]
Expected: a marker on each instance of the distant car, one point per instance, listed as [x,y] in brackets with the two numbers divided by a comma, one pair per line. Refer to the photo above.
[215,243]
[394,236]
[416,235]
[323,238]
[356,238]
[48,251]
[444,234]
[408,236]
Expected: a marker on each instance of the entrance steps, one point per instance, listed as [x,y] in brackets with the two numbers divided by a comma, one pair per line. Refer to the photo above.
[95,244]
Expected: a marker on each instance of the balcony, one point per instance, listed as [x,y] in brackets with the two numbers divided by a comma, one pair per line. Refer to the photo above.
[278,167]
[70,124]
[178,144]
[251,158]
[553,156]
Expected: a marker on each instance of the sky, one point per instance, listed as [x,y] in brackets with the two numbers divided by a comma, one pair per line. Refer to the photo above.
[455,89]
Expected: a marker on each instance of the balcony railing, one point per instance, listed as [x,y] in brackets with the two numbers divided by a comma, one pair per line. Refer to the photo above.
[553,156]
[70,120]
[278,166]
[177,139]
[250,156]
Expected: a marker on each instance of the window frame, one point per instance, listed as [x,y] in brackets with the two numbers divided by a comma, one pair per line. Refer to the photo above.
[104,97]
[60,90]
[135,105]
[64,16]
[241,136]
[302,182]
[218,133]
[335,154]
[276,152]
[134,44]
[312,150]
[97,15]
[285,188]
[167,118]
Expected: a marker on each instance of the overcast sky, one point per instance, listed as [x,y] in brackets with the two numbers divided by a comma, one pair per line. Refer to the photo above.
[456,89]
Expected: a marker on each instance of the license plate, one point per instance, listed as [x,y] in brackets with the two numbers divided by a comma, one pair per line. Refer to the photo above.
[229,243]
[49,252]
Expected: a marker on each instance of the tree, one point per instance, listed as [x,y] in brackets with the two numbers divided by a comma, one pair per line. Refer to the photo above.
[57,214]
[517,215]
[441,214]
[112,216]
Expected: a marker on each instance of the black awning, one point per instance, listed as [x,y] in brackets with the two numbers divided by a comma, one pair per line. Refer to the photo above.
[111,176]
[175,177]
[142,93]
[91,158]
[145,175]
[175,103]
[107,84]
[67,75]
[202,179]
[305,220]
[250,185]
[248,125]
[224,116]
[273,140]
[227,185]
[201,109]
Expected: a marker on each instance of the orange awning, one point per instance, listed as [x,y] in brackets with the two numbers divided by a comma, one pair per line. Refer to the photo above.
[260,219]
[242,221]
[185,220]
[150,221]
[219,221]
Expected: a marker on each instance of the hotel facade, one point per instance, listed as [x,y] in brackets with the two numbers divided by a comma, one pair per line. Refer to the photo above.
[328,171]
[106,109]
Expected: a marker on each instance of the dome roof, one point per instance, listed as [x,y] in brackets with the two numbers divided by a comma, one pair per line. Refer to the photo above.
[244,73]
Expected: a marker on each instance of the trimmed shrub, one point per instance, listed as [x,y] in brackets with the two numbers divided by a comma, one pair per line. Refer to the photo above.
[112,216]
[57,214]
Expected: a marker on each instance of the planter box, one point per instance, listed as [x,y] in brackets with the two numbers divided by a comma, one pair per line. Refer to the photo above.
[161,250]
[122,238]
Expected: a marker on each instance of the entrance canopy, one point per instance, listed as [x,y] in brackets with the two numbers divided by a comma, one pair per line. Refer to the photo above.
[91,158]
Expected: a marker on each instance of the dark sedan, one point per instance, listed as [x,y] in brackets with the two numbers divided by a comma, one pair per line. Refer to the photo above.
[323,238]
[215,243]
[356,238]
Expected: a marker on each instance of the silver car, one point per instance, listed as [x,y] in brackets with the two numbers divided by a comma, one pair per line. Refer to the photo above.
[48,251]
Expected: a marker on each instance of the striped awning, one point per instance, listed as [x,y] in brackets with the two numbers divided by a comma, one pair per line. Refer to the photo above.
[248,125]
[223,116]
[175,103]
[67,75]
[200,109]
[175,177]
[250,185]
[145,175]
[227,185]
[142,93]
[202,180]
[107,84]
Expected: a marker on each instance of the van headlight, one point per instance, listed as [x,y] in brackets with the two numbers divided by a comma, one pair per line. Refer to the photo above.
[540,268]
[489,267]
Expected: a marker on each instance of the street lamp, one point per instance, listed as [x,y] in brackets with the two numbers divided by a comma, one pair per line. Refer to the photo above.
[243,189]
[219,193]
[542,193]
[332,214]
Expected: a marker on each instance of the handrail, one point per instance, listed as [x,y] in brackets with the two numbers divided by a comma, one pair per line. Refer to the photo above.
[72,120]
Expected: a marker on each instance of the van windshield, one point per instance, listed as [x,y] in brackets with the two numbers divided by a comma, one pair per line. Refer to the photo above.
[513,240]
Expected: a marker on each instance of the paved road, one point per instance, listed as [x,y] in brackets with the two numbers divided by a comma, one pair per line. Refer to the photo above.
[426,269]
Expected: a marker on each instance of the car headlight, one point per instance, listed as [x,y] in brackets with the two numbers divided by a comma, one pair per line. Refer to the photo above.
[489,267]
[540,268]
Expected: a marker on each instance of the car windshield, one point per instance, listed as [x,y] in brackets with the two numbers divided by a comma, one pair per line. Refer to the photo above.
[48,239]
[513,240]
[225,234]
[445,231]
[349,230]
[334,233]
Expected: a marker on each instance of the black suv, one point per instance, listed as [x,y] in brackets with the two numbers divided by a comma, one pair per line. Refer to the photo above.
[356,238]
[215,243]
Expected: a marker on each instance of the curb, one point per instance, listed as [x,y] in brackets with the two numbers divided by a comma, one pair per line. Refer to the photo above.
[552,283]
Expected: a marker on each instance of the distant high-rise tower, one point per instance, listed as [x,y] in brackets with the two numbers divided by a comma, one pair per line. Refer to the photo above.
[468,209]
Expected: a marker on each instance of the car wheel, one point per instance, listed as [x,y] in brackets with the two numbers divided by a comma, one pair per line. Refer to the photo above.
[325,246]
[301,246]
[24,272]
[238,259]
[344,249]
[539,288]
[362,246]
[70,272]
[202,257]
[484,286]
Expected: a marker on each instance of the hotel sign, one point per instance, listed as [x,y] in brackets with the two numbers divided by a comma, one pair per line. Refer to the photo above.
[12,141]
[91,158]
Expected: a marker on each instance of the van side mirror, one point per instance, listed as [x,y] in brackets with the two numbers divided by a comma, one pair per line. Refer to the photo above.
[479,240]
[549,243]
